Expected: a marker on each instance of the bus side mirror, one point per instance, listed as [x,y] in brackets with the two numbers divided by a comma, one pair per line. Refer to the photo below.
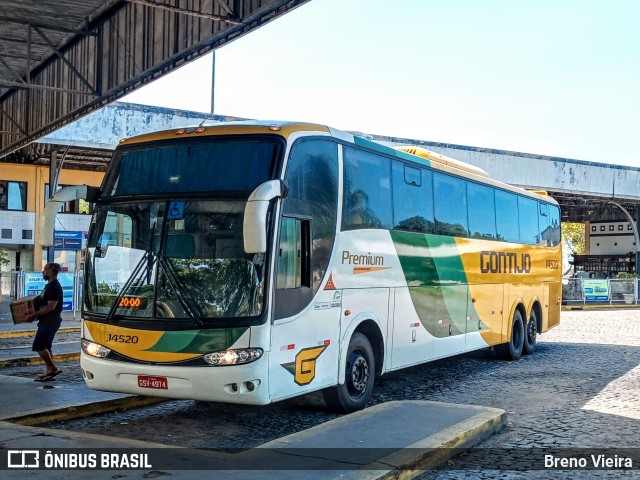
[66,194]
[254,227]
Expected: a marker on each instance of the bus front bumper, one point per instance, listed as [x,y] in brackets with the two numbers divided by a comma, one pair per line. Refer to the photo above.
[245,384]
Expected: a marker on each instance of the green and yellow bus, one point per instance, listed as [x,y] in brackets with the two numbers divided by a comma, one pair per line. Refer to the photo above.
[252,262]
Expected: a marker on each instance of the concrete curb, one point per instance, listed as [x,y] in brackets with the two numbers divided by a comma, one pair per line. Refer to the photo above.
[31,333]
[600,307]
[24,361]
[439,448]
[426,454]
[80,411]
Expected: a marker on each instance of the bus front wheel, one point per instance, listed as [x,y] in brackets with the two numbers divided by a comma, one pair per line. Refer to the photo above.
[355,392]
[531,334]
[512,350]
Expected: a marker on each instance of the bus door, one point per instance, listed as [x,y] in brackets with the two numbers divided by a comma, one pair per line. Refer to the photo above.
[484,315]
[305,330]
[412,326]
[306,311]
[450,312]
[552,297]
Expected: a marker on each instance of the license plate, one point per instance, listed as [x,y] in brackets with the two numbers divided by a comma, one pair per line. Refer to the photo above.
[145,381]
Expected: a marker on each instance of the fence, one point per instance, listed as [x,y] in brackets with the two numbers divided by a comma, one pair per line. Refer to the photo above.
[15,285]
[613,291]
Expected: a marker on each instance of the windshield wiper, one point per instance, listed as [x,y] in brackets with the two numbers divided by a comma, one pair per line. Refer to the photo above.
[146,258]
[186,300]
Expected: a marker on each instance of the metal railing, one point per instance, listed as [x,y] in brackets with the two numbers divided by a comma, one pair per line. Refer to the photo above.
[610,291]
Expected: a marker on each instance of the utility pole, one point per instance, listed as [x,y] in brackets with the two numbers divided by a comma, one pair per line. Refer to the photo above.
[213,79]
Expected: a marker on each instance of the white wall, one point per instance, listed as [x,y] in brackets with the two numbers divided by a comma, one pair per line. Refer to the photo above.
[611,238]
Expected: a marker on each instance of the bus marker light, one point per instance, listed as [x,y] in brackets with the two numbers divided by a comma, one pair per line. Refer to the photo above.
[347,313]
[274,128]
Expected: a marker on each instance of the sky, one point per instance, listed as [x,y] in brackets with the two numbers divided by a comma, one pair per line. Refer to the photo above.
[550,77]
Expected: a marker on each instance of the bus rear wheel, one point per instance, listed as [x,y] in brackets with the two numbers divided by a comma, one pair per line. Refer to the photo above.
[355,392]
[531,334]
[512,350]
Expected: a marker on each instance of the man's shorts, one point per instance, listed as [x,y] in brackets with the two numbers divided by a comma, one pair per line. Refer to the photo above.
[44,338]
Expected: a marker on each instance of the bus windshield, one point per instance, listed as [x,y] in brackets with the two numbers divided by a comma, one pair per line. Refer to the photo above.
[212,164]
[177,259]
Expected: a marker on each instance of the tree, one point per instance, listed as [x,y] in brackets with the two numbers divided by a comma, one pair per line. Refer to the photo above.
[4,260]
[573,242]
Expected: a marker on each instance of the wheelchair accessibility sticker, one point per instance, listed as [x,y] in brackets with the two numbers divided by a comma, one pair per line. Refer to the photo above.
[176,210]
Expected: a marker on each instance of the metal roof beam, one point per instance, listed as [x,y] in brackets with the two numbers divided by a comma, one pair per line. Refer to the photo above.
[22,85]
[21,41]
[6,54]
[13,121]
[8,67]
[64,60]
[183,11]
[226,8]
[47,26]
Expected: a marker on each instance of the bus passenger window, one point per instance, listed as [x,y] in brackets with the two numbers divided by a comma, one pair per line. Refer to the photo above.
[482,211]
[450,199]
[412,199]
[367,190]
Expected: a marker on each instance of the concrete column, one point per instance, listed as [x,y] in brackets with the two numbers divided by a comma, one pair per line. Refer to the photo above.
[53,185]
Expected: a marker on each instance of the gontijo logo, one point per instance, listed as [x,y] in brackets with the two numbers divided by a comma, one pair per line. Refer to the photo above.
[306,364]
[504,262]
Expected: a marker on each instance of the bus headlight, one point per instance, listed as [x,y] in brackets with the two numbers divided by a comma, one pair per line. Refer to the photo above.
[233,357]
[94,349]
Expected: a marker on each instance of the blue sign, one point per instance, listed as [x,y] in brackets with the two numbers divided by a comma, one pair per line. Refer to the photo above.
[34,285]
[176,210]
[67,240]
[595,289]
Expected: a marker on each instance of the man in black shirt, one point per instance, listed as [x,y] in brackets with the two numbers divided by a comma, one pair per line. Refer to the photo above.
[49,320]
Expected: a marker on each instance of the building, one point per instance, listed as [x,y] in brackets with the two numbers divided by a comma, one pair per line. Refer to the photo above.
[24,190]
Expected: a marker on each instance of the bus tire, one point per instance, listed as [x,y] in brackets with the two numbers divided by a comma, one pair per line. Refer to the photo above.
[355,392]
[512,350]
[531,334]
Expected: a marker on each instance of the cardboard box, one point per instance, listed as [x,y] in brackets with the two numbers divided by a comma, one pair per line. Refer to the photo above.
[23,307]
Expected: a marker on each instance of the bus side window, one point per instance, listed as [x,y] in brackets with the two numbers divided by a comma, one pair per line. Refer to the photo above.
[293,279]
[293,254]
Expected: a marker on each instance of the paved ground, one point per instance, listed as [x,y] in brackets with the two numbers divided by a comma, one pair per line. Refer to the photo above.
[580,390]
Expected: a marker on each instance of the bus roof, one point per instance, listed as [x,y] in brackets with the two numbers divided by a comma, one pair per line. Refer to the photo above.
[285,129]
[227,128]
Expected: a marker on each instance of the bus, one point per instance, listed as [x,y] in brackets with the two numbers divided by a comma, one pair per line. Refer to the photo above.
[251,262]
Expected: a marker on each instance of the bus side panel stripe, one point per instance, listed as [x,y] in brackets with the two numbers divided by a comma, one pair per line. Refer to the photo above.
[437,282]
[198,341]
